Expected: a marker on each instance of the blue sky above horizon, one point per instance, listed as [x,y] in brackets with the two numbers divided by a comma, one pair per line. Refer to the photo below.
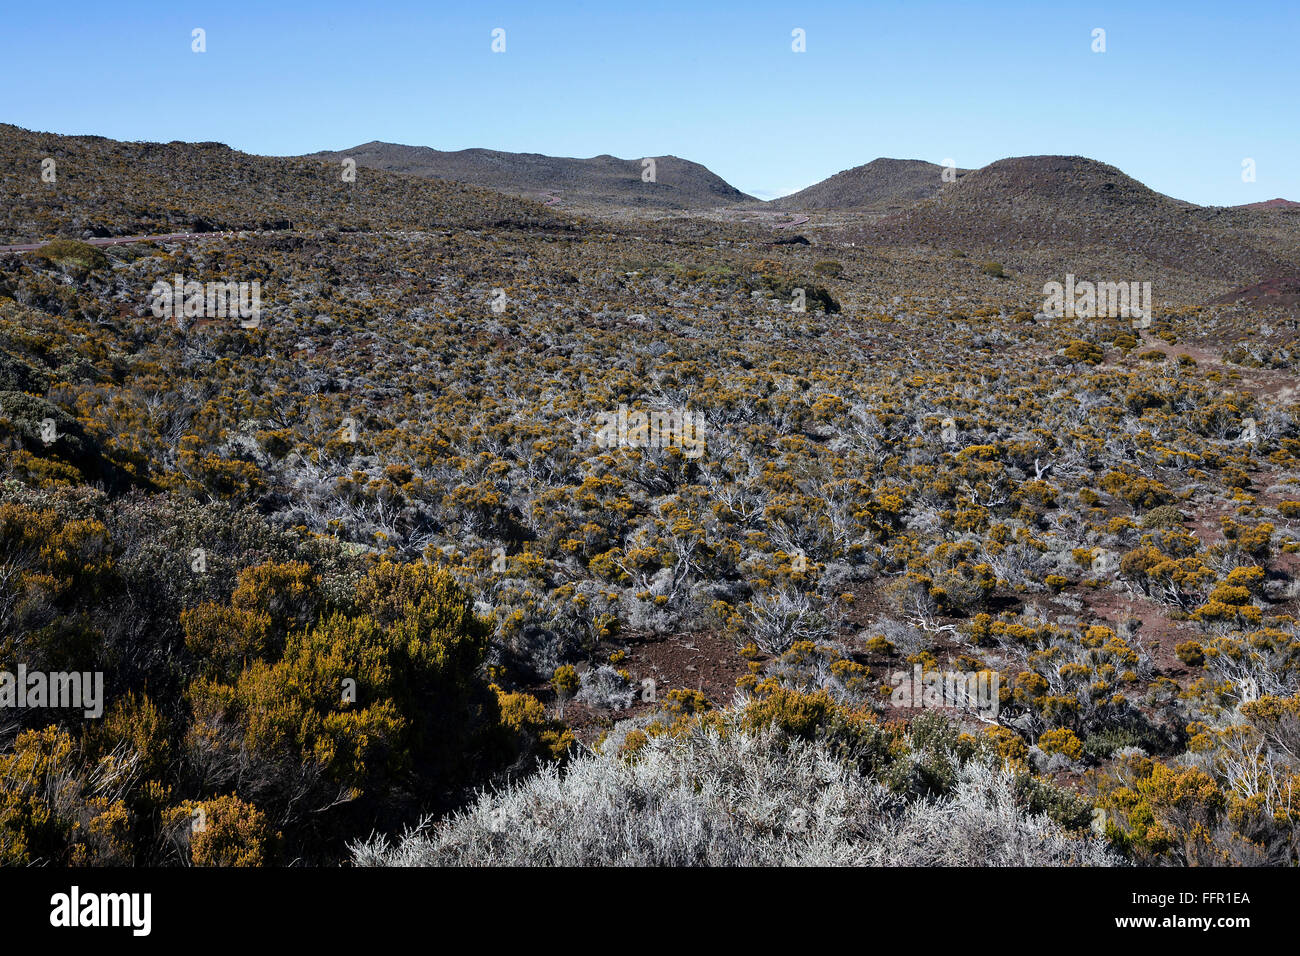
[1183,94]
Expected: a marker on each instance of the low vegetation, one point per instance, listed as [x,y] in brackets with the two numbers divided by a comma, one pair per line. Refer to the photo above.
[368,562]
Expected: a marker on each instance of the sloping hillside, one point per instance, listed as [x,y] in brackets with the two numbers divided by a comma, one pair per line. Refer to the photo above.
[600,180]
[882,184]
[103,187]
[1070,203]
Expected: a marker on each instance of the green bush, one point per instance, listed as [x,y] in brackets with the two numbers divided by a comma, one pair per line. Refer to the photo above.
[80,255]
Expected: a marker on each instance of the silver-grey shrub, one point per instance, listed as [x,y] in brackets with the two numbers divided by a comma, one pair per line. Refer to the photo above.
[739,800]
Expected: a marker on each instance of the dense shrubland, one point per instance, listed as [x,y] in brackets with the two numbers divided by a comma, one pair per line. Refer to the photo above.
[295,694]
[390,482]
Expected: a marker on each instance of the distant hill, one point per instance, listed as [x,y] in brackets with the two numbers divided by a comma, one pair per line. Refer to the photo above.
[1056,183]
[1283,204]
[1063,212]
[601,180]
[107,188]
[1064,203]
[882,185]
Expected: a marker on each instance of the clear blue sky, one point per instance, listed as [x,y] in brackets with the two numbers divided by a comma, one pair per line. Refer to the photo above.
[1183,93]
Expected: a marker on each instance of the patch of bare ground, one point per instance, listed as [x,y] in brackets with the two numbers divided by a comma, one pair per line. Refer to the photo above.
[1153,631]
[1281,292]
[705,661]
[1266,383]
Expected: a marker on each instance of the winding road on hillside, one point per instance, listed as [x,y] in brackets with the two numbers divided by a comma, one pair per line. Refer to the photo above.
[124,240]
[797,221]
